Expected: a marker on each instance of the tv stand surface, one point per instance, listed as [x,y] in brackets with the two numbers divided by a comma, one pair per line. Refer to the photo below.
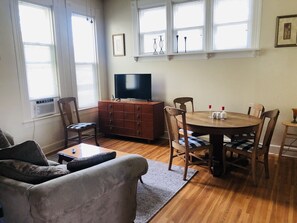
[137,119]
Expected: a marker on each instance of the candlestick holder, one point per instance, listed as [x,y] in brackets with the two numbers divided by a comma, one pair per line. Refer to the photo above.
[161,44]
[176,43]
[294,115]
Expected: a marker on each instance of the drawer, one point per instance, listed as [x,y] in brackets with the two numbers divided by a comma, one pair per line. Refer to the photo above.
[138,116]
[116,122]
[146,109]
[115,107]
[102,106]
[145,117]
[129,108]
[129,116]
[115,115]
[137,108]
[129,124]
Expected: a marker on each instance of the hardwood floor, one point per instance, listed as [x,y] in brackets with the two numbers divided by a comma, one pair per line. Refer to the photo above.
[232,198]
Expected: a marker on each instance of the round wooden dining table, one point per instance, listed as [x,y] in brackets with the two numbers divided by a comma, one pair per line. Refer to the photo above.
[235,123]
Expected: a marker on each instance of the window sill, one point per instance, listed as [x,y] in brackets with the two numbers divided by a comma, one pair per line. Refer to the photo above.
[201,55]
[49,118]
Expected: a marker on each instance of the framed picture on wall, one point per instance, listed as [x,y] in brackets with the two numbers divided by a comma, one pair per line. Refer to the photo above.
[118,43]
[286,31]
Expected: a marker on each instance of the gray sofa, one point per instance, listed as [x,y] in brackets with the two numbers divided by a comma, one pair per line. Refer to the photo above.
[102,193]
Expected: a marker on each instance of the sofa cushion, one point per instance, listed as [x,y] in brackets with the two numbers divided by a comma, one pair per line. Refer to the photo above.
[4,142]
[82,163]
[28,151]
[30,173]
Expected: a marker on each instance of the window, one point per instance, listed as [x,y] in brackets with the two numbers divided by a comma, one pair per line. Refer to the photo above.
[208,27]
[39,50]
[231,24]
[188,26]
[85,58]
[152,26]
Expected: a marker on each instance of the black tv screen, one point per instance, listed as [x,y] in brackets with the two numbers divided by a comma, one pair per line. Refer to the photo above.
[136,86]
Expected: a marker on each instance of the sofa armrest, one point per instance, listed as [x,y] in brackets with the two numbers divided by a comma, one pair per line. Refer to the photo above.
[63,198]
[14,192]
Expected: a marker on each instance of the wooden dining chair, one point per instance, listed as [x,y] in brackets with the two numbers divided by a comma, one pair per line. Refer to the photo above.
[253,149]
[185,103]
[255,110]
[71,122]
[183,146]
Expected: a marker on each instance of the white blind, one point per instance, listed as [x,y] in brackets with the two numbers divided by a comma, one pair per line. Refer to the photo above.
[84,44]
[231,24]
[39,50]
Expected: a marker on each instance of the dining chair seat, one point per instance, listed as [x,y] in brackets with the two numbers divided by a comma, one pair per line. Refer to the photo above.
[193,142]
[244,136]
[243,145]
[189,133]
[83,125]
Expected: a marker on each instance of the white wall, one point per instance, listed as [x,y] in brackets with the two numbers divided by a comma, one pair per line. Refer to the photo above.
[48,132]
[270,78]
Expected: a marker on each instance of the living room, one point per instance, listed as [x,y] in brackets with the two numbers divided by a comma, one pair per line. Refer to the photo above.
[268,77]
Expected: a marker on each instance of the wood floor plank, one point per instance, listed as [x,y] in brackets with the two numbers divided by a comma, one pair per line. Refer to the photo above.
[231,198]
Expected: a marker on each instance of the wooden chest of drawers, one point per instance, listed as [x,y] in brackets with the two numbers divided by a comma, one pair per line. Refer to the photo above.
[136,119]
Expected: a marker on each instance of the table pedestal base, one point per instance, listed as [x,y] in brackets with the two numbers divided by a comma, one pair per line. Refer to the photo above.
[217,165]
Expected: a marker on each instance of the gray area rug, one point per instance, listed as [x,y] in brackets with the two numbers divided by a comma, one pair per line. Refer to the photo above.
[158,188]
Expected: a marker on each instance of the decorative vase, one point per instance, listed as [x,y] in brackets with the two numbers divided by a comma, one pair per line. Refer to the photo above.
[155,47]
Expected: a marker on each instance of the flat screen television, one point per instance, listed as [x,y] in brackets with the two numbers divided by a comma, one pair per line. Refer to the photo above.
[134,86]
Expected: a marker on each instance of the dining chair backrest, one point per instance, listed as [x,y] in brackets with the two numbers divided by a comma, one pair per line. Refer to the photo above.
[256,110]
[67,106]
[182,102]
[269,119]
[172,123]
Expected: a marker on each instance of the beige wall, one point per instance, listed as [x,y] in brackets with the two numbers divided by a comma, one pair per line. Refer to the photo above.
[270,78]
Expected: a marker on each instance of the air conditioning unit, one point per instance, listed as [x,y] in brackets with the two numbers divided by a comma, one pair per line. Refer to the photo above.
[43,107]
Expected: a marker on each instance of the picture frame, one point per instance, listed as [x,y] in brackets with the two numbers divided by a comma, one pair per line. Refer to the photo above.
[118,43]
[286,31]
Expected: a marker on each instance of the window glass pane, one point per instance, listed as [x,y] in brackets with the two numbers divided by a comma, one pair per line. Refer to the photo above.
[39,50]
[86,85]
[226,11]
[194,40]
[38,54]
[41,82]
[153,19]
[84,44]
[149,40]
[231,37]
[83,40]
[188,14]
[36,24]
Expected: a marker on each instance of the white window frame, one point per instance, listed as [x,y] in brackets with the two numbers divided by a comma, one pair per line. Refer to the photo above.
[19,51]
[208,52]
[174,31]
[79,10]
[157,33]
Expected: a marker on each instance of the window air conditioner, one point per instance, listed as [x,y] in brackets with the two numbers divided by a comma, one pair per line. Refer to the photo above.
[43,107]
